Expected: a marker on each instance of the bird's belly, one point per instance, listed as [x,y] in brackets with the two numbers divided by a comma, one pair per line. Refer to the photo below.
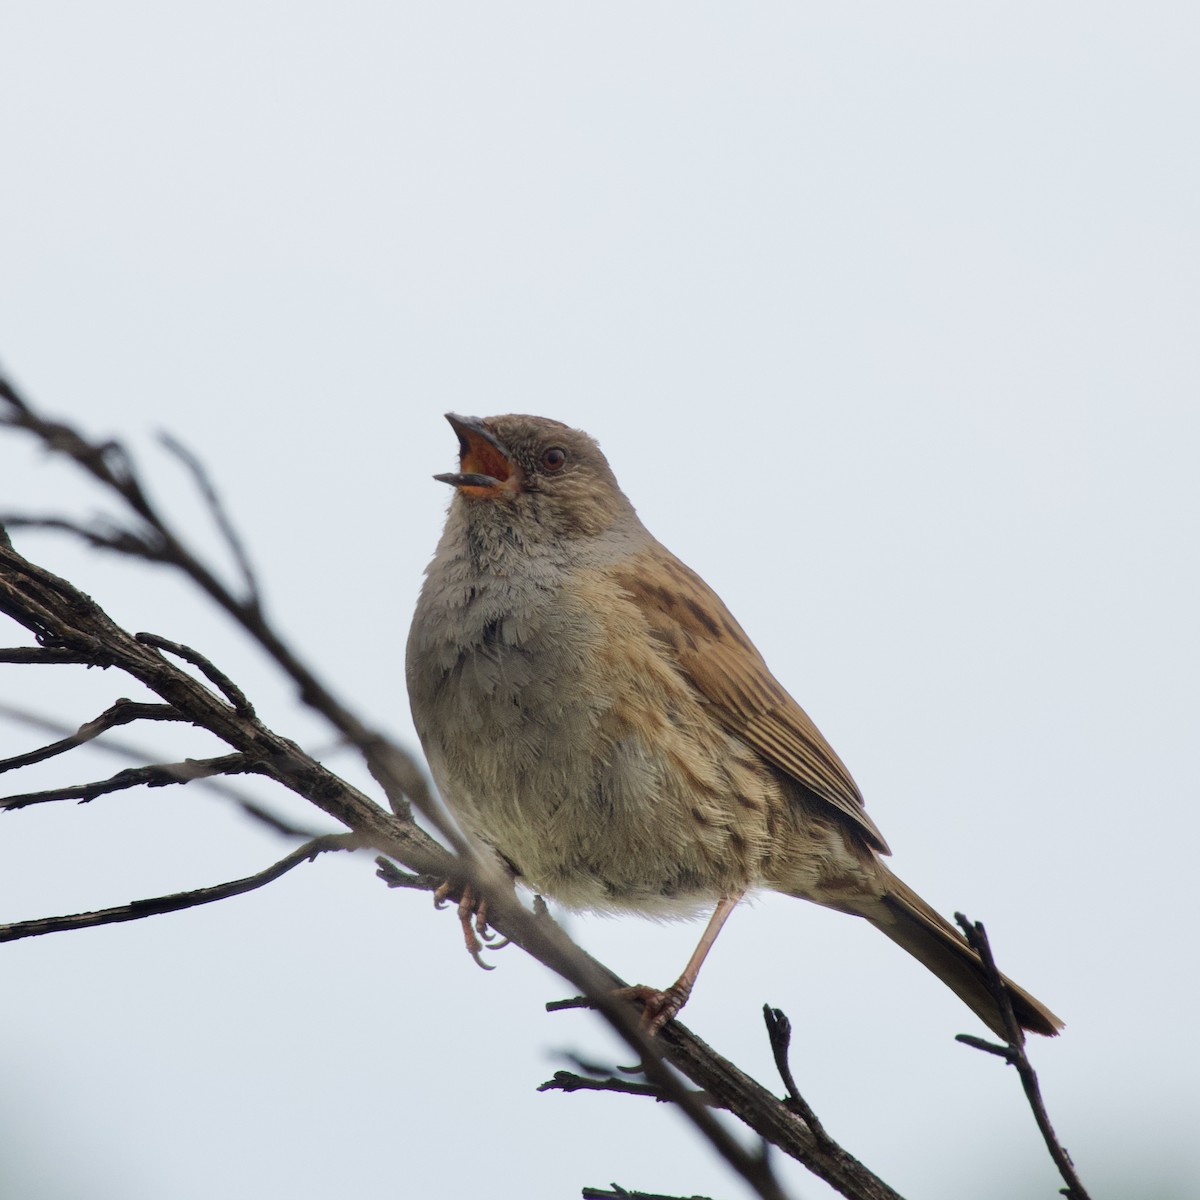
[600,801]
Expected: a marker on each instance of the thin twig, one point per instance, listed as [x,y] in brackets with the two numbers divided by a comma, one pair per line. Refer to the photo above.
[138,909]
[206,666]
[133,753]
[394,877]
[1014,1054]
[570,1002]
[40,655]
[123,712]
[978,1043]
[212,498]
[729,1088]
[616,1192]
[568,1081]
[779,1034]
[108,462]
[59,615]
[101,534]
[596,1070]
[155,775]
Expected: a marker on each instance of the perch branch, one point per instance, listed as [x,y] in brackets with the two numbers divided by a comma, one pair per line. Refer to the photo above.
[108,463]
[724,1085]
[65,620]
[60,615]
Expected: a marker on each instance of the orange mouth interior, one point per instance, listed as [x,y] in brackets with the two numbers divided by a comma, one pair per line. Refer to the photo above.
[480,457]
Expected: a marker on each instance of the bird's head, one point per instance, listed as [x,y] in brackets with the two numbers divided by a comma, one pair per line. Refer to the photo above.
[532,469]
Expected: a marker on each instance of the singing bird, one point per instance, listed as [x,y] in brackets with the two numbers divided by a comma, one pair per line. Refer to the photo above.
[592,712]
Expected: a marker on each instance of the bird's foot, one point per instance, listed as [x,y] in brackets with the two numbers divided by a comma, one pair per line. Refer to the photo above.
[472,914]
[658,1007]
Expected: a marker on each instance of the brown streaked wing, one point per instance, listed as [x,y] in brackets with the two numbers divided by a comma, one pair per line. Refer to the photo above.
[722,663]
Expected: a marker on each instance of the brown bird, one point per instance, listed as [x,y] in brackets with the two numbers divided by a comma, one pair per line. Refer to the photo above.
[592,712]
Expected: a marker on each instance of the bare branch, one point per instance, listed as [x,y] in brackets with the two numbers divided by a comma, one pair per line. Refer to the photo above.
[723,1085]
[61,617]
[101,534]
[779,1033]
[211,672]
[567,1081]
[983,1044]
[212,498]
[155,775]
[773,1120]
[396,878]
[132,753]
[109,463]
[1014,1054]
[619,1193]
[607,1078]
[38,655]
[122,713]
[136,910]
[569,1003]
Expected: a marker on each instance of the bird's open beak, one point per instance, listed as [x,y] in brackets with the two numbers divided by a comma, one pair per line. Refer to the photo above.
[487,466]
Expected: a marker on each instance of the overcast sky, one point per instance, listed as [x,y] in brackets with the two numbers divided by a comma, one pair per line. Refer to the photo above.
[886,316]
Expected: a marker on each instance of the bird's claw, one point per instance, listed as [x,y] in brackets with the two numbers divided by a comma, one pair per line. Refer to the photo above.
[658,1007]
[472,915]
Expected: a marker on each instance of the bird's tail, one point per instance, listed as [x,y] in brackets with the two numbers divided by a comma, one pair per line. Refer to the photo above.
[935,943]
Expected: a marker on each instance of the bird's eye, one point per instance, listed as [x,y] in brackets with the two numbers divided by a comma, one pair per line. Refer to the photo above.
[554,459]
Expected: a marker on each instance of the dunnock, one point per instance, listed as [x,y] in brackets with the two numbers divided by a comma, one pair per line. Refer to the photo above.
[592,712]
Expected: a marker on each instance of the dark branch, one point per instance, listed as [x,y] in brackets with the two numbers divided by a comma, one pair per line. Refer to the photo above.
[100,534]
[616,1192]
[132,753]
[212,498]
[396,878]
[138,909]
[60,616]
[978,1043]
[39,655]
[155,775]
[1014,1054]
[723,1085]
[597,1070]
[570,1002]
[121,713]
[567,1081]
[109,463]
[779,1033]
[773,1120]
[210,671]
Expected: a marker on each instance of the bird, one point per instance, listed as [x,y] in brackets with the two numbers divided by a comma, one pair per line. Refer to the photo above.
[593,714]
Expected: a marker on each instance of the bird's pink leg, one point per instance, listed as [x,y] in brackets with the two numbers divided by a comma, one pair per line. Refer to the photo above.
[659,1007]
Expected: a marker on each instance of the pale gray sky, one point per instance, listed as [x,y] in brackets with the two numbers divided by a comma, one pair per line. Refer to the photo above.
[887,318]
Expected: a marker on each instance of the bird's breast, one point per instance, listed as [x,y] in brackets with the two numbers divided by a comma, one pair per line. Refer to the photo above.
[561,733]
[504,694]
